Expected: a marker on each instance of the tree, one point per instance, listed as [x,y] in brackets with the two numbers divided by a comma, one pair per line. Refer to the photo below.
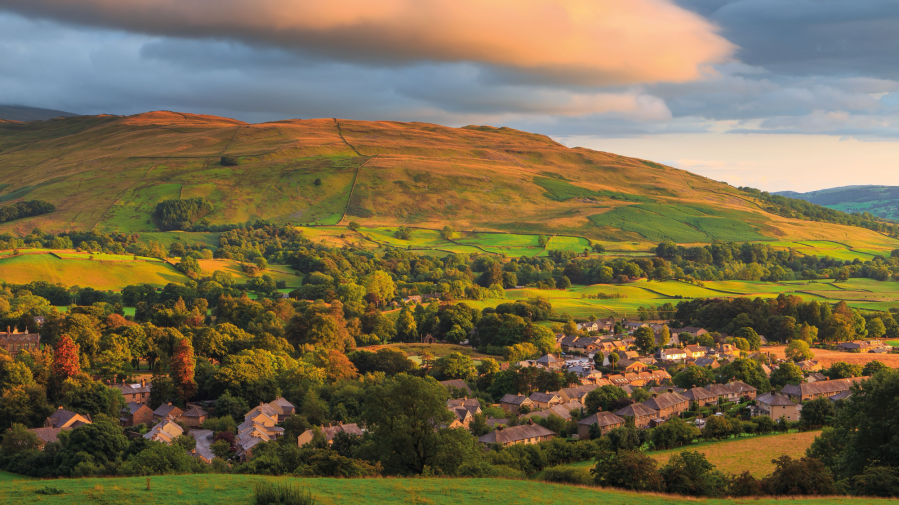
[221,448]
[751,336]
[613,359]
[599,358]
[519,352]
[406,328]
[872,367]
[816,413]
[380,285]
[353,225]
[664,336]
[843,370]
[66,360]
[798,350]
[693,376]
[600,398]
[645,339]
[689,473]
[488,366]
[401,414]
[634,470]
[876,327]
[455,366]
[98,443]
[19,438]
[183,364]
[746,370]
[800,477]
[787,373]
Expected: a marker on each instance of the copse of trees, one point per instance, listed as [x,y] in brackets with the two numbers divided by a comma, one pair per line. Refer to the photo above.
[25,209]
[181,214]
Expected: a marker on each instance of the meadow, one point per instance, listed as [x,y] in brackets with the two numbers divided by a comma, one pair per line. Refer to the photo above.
[735,455]
[212,489]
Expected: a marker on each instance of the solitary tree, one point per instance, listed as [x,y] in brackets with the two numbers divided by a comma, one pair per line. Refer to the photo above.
[645,339]
[65,359]
[183,364]
[798,350]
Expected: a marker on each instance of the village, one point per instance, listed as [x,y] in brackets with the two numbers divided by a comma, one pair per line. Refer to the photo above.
[647,395]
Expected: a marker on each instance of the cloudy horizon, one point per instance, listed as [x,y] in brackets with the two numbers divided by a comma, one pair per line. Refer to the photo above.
[780,95]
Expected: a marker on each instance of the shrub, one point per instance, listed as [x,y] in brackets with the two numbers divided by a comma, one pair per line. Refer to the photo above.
[318,181]
[568,475]
[230,161]
[49,490]
[281,494]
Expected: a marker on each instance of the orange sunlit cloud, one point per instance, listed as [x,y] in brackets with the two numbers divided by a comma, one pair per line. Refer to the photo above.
[583,42]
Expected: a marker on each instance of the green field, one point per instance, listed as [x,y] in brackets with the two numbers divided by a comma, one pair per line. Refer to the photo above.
[682,223]
[96,273]
[859,293]
[212,489]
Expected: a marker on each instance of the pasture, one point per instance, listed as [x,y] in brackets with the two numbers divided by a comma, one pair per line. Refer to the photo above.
[98,274]
[214,489]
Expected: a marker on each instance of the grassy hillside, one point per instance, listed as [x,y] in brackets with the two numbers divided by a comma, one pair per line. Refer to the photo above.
[109,172]
[880,201]
[214,489]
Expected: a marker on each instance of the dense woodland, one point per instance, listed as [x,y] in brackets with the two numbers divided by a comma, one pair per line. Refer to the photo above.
[25,209]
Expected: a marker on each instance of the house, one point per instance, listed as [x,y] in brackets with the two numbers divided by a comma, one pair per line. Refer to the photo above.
[63,418]
[166,410]
[633,325]
[283,407]
[330,432]
[668,405]
[545,400]
[413,299]
[557,410]
[732,391]
[775,406]
[631,365]
[12,341]
[820,389]
[258,426]
[462,418]
[858,345]
[137,393]
[523,434]
[47,435]
[707,362]
[194,417]
[472,404]
[577,392]
[512,403]
[165,432]
[727,350]
[641,414]
[841,396]
[815,377]
[701,396]
[606,421]
[550,361]
[567,342]
[810,365]
[136,413]
[696,351]
[690,330]
[673,354]
[458,384]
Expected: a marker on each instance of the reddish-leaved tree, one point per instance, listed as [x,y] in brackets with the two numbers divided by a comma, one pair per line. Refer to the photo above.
[65,359]
[183,364]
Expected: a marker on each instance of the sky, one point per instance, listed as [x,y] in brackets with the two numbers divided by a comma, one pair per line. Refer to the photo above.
[775,94]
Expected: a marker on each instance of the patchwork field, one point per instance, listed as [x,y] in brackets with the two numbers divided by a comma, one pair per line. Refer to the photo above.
[212,489]
[828,357]
[863,294]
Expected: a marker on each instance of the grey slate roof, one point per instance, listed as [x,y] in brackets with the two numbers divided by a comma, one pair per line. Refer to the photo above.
[636,410]
[775,399]
[515,434]
[602,419]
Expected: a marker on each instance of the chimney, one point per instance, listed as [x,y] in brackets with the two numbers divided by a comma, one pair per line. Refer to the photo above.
[59,408]
[143,382]
[670,390]
[530,422]
[170,403]
[499,428]
[654,394]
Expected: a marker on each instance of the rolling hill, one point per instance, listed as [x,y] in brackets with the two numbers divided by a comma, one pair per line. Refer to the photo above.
[23,113]
[107,173]
[880,201]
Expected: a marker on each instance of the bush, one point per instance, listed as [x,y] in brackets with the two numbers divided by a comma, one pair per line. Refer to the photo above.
[281,494]
[230,161]
[567,475]
[49,490]
[318,182]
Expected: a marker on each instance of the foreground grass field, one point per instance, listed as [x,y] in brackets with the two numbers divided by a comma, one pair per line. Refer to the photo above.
[98,274]
[214,489]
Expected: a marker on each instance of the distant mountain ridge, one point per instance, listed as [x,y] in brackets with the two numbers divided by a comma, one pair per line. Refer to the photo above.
[879,201]
[24,113]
